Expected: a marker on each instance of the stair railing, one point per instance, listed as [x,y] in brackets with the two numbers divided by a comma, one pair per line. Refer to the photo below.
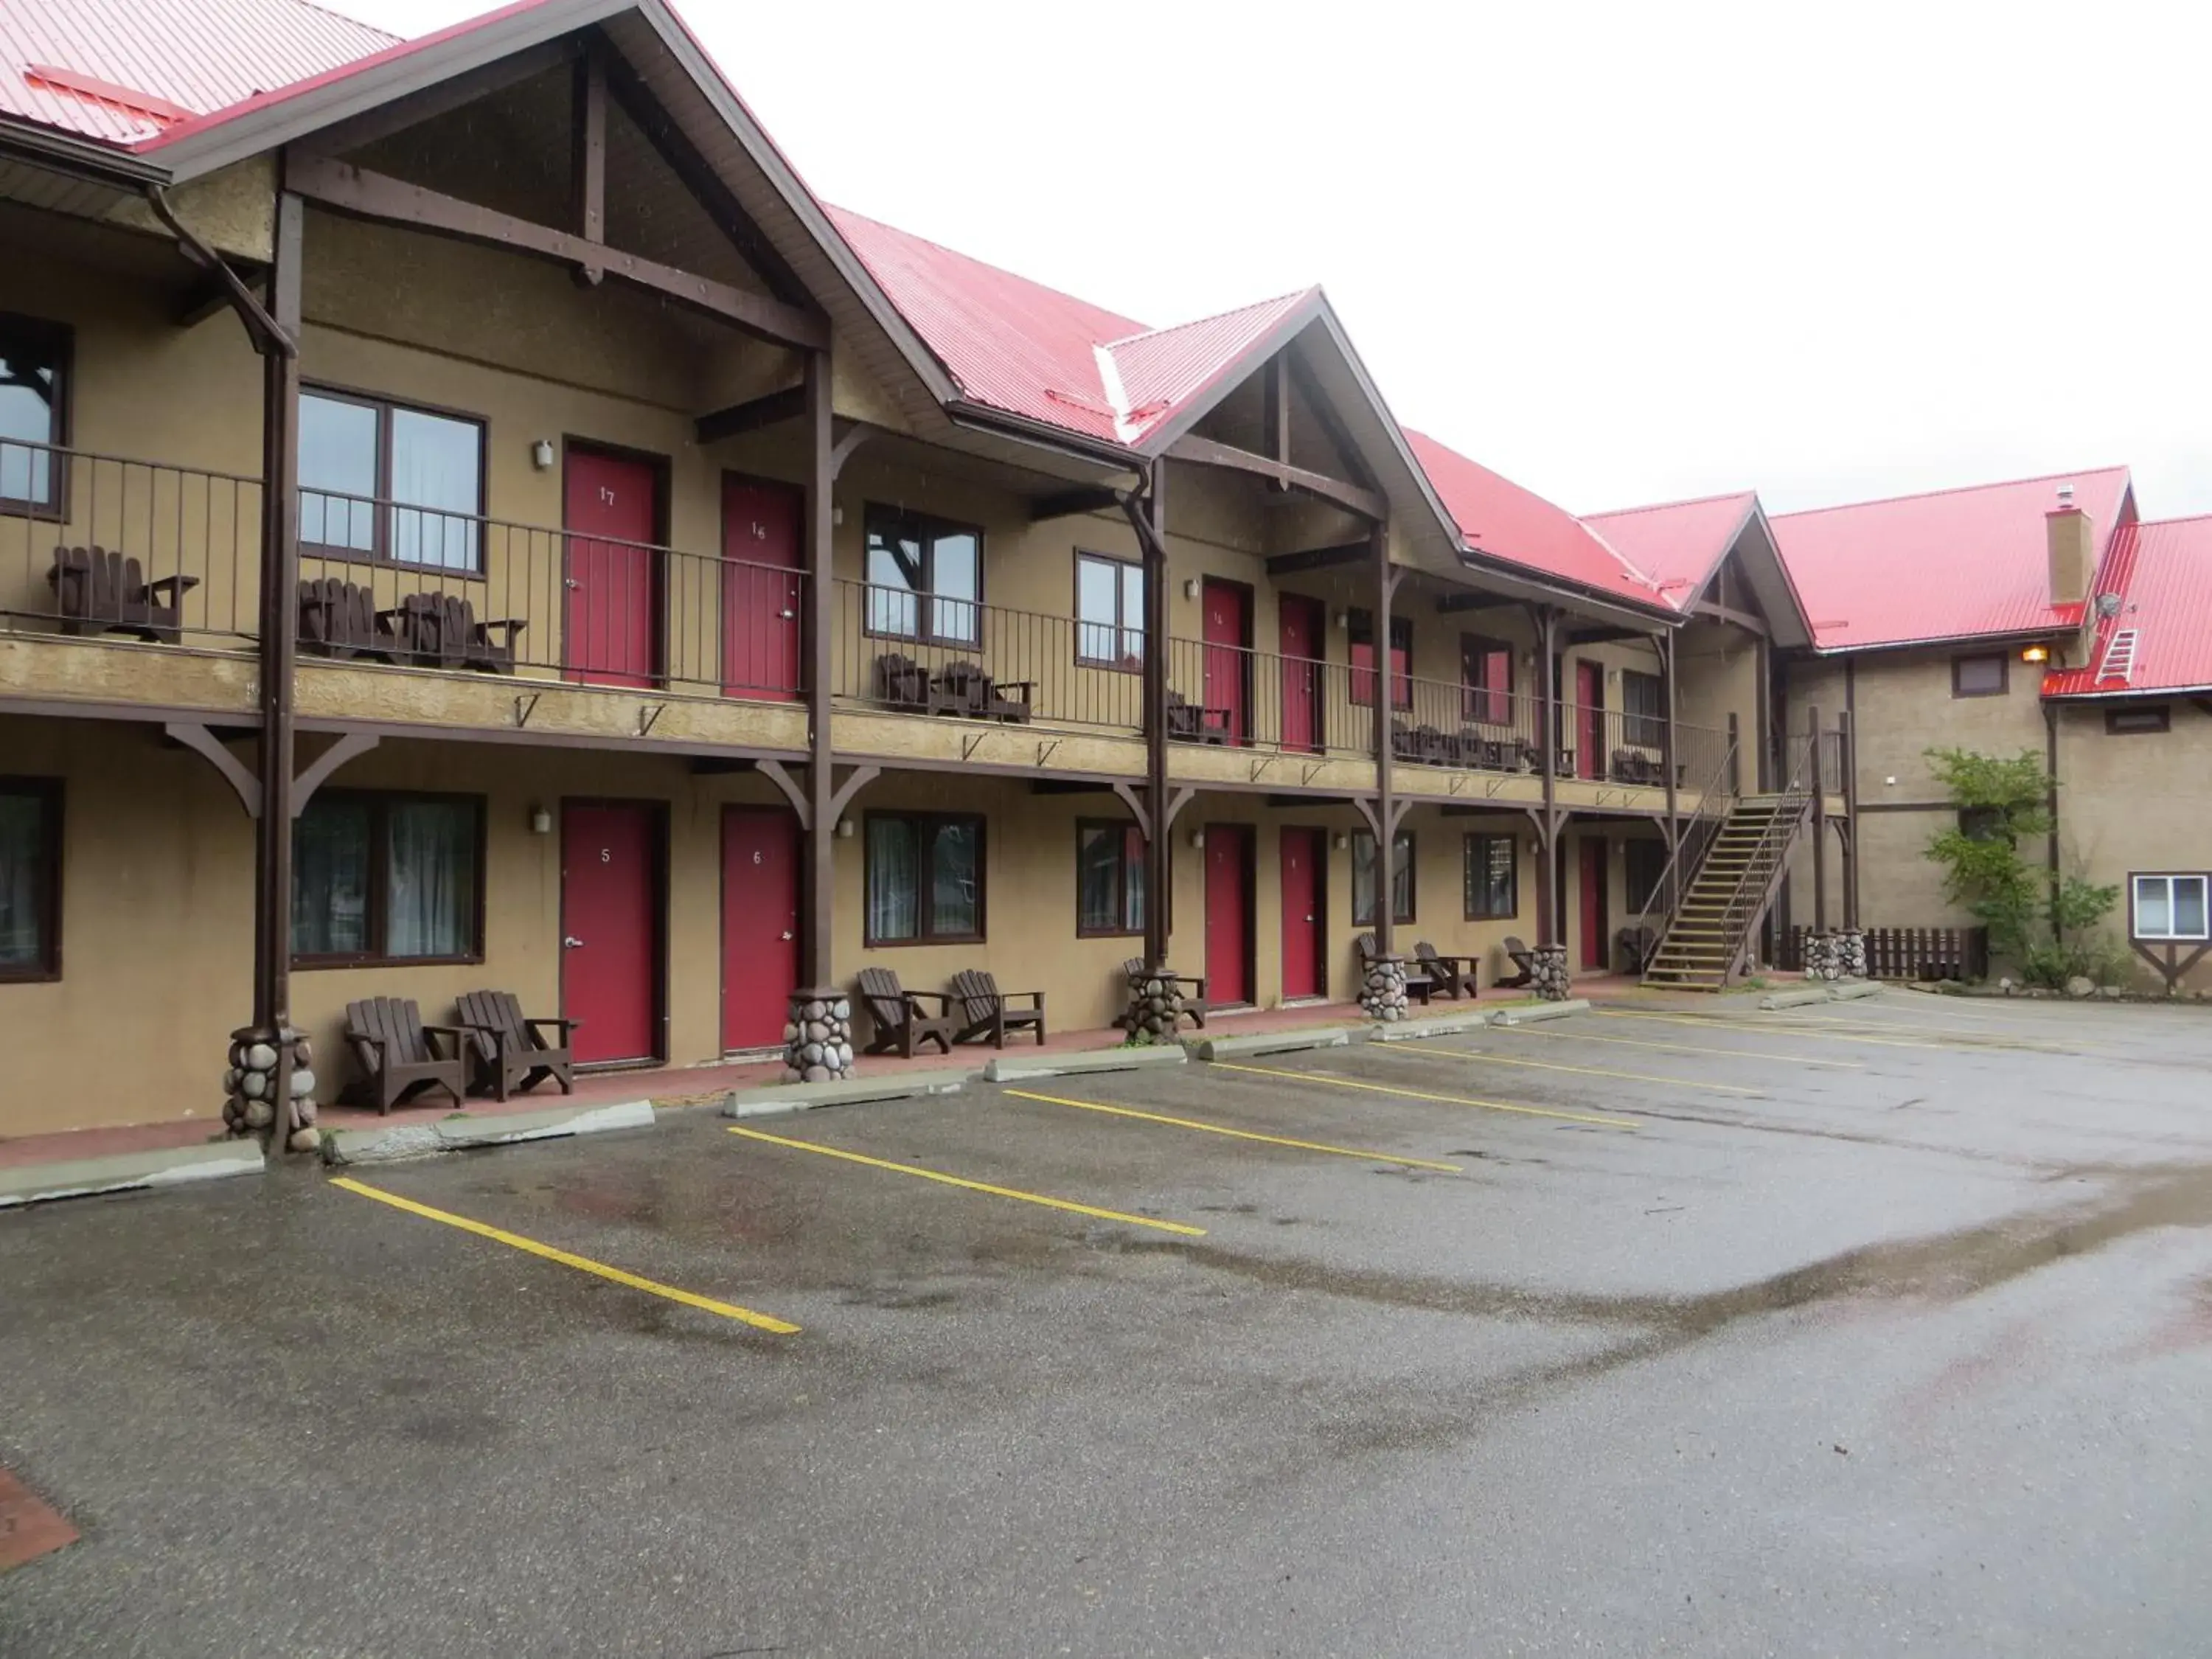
[1762,870]
[1715,799]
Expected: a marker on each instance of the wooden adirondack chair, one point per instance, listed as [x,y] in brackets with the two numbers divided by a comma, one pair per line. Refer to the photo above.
[339,619]
[966,689]
[398,1054]
[510,1048]
[1418,985]
[1455,977]
[1524,961]
[990,1012]
[1190,723]
[898,1018]
[1194,1003]
[441,630]
[101,591]
[902,683]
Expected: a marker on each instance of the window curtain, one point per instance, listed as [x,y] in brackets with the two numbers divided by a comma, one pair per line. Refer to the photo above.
[435,464]
[894,880]
[330,849]
[22,867]
[337,452]
[1098,879]
[955,892]
[430,896]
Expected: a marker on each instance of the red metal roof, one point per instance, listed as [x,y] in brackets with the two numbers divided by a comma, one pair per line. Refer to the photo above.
[2162,572]
[1161,371]
[130,70]
[1498,518]
[1950,565]
[1677,544]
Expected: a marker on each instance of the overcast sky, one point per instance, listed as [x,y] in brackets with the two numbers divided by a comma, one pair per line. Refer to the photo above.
[1622,254]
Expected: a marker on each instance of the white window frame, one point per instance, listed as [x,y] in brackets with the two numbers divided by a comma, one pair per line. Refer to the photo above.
[2169,881]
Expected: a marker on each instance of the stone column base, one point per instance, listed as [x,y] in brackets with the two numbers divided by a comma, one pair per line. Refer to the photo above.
[818,1037]
[1823,955]
[1548,973]
[1155,1007]
[1383,992]
[269,1093]
[1852,953]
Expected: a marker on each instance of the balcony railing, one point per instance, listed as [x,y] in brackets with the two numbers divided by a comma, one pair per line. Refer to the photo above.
[93,545]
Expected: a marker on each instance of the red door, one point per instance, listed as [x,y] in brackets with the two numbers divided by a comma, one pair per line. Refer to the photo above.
[612,623]
[760,588]
[1227,655]
[760,924]
[1229,912]
[1302,853]
[1302,633]
[610,932]
[1589,720]
[1593,904]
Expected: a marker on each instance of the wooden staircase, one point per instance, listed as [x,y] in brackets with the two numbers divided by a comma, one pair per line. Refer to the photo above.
[1709,938]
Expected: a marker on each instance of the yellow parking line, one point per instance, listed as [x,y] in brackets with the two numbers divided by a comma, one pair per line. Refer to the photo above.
[1556,1066]
[1240,1135]
[1416,1094]
[1579,1036]
[1711,1024]
[972,1186]
[1983,1034]
[581,1264]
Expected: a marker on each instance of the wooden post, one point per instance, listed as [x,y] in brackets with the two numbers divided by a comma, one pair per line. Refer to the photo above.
[1848,735]
[588,169]
[1667,761]
[1548,740]
[1819,827]
[1385,688]
[1159,850]
[816,967]
[280,579]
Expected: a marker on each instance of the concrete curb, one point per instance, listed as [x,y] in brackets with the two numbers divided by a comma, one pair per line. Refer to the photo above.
[463,1134]
[1267,1042]
[1774,1000]
[1857,990]
[1412,1031]
[1000,1070]
[1537,1011]
[170,1166]
[772,1099]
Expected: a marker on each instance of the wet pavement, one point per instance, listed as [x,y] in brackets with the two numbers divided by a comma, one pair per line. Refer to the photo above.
[1861,1330]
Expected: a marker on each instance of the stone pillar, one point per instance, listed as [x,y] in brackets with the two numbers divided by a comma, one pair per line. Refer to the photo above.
[1383,992]
[1823,955]
[818,1037]
[1155,1007]
[1548,973]
[268,1092]
[1851,953]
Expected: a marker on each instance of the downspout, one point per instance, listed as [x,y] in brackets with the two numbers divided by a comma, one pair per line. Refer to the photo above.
[2050,802]
[1147,514]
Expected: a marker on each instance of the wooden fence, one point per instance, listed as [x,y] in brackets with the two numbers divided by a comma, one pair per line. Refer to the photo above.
[1909,953]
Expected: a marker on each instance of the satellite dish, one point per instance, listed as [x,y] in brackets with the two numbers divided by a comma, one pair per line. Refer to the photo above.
[2108,604]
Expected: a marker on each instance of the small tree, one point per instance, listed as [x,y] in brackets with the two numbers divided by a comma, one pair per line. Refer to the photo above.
[2002,800]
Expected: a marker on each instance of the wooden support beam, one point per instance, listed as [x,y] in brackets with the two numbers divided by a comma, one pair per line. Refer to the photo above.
[588,173]
[1325,415]
[364,195]
[195,736]
[1070,503]
[854,435]
[211,296]
[855,780]
[770,409]
[1276,416]
[1353,498]
[1134,802]
[777,773]
[1713,611]
[720,766]
[1315,558]
[376,125]
[1454,603]
[651,117]
[349,746]
[1075,787]
[1603,635]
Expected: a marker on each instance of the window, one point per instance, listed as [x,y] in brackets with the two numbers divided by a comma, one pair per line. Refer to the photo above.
[925,878]
[1110,879]
[380,481]
[2169,907]
[2120,722]
[1485,678]
[1363,877]
[1644,866]
[1493,879]
[34,363]
[1361,625]
[925,578]
[1979,677]
[1983,823]
[1109,611]
[387,878]
[30,878]
[1642,709]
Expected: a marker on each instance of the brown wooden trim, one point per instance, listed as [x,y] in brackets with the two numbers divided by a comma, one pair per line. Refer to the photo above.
[1205,451]
[1713,611]
[2003,660]
[48,793]
[413,109]
[380,803]
[196,736]
[589,167]
[1121,828]
[1317,558]
[770,408]
[59,339]
[924,904]
[1275,413]
[343,188]
[1069,503]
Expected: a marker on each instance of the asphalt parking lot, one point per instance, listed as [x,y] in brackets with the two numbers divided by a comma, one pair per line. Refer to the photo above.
[1868,1328]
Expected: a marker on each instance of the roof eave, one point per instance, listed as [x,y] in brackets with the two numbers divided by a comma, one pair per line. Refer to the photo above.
[2010,636]
[79,158]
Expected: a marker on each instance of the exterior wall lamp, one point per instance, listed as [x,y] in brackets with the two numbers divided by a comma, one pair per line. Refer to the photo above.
[2036,653]
[541,820]
[541,455]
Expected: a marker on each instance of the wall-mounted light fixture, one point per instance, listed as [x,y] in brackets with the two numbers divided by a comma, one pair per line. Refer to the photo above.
[541,455]
[541,820]
[1343,840]
[1198,838]
[2036,653]
[1190,588]
[1344,620]
[844,828]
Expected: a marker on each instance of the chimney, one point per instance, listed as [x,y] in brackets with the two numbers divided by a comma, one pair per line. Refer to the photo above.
[2073,550]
